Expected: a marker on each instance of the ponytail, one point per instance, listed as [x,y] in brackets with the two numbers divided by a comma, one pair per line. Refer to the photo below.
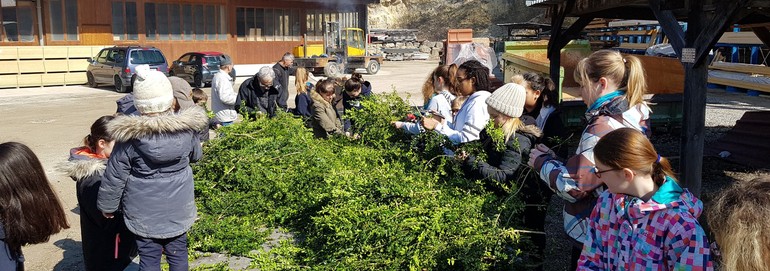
[661,169]
[98,132]
[636,82]
[624,70]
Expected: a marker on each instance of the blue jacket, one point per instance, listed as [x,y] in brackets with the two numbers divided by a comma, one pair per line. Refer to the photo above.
[9,261]
[148,174]
[304,105]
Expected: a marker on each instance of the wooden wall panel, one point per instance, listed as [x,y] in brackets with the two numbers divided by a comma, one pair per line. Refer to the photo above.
[262,52]
[174,49]
[98,12]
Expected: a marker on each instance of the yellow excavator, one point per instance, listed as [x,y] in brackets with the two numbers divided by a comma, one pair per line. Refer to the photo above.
[342,50]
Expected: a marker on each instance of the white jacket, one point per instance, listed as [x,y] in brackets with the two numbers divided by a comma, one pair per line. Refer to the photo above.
[469,121]
[223,97]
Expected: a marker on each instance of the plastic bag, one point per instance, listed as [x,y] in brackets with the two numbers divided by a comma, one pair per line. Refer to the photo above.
[479,52]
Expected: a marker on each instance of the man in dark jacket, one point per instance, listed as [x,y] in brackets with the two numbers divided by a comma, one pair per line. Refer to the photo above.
[259,94]
[283,69]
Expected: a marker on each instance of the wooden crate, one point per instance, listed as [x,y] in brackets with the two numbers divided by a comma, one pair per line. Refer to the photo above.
[29,80]
[75,78]
[77,65]
[34,66]
[9,67]
[30,52]
[8,81]
[50,52]
[8,52]
[52,79]
[31,66]
[56,65]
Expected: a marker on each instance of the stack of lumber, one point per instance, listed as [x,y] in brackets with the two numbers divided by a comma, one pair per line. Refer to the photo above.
[746,76]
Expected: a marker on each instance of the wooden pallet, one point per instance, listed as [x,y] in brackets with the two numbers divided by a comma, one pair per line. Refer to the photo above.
[37,66]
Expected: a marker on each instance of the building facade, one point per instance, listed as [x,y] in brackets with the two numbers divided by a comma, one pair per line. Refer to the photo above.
[251,31]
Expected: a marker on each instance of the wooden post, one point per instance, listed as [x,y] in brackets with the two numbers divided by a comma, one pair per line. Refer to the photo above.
[702,33]
[560,38]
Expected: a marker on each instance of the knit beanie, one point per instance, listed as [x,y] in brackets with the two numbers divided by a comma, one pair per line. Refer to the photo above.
[152,91]
[508,100]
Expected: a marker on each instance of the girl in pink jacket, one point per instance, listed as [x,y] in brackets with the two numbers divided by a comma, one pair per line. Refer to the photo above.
[645,221]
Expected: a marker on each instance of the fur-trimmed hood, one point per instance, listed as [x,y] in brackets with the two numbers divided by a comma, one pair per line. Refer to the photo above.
[318,99]
[126,128]
[81,169]
[82,164]
[531,130]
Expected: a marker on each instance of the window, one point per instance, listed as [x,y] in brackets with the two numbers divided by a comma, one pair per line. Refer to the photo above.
[63,19]
[147,57]
[257,24]
[18,21]
[184,59]
[211,25]
[175,26]
[200,32]
[124,21]
[102,58]
[162,21]
[185,22]
[151,27]
[317,19]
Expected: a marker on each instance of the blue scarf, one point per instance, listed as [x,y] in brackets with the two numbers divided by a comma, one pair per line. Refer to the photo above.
[604,99]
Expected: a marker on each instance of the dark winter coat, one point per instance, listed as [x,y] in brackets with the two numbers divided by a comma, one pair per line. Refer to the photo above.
[554,131]
[9,261]
[502,166]
[255,99]
[304,105]
[282,76]
[98,233]
[148,174]
[349,102]
[126,105]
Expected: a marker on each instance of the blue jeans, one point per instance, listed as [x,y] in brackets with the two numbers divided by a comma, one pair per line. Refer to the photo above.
[150,251]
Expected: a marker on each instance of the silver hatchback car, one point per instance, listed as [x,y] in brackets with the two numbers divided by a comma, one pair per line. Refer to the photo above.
[116,65]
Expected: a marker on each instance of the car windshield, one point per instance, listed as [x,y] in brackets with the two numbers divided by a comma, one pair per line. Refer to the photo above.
[147,57]
[212,59]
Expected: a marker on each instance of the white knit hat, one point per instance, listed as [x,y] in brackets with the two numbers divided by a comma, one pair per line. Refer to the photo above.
[508,100]
[152,91]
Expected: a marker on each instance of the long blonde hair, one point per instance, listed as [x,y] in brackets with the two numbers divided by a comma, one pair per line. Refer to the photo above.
[626,71]
[740,220]
[300,79]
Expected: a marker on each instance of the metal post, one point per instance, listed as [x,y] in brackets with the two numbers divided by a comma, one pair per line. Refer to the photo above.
[40,35]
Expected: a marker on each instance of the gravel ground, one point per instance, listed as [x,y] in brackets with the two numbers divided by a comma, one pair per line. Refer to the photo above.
[722,110]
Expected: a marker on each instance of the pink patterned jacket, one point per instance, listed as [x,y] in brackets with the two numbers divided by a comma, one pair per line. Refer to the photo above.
[663,233]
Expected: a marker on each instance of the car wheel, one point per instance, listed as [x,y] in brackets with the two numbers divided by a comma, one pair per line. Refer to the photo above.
[373,67]
[91,81]
[198,81]
[119,85]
